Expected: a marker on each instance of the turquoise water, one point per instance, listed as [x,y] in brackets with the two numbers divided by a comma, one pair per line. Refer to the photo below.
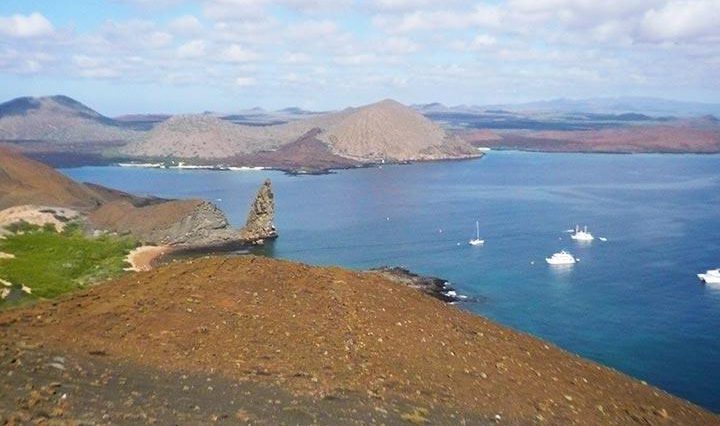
[633,302]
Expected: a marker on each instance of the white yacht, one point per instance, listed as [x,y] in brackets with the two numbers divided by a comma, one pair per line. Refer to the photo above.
[562,258]
[582,235]
[712,276]
[477,241]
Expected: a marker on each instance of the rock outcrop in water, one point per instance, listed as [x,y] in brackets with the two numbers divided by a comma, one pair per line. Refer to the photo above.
[259,225]
[194,224]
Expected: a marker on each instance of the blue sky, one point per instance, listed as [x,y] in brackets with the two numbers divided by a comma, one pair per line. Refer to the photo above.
[121,56]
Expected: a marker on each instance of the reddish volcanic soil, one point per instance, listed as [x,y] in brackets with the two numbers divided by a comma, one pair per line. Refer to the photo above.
[306,153]
[325,332]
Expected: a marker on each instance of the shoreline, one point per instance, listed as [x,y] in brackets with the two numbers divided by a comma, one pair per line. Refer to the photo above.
[145,257]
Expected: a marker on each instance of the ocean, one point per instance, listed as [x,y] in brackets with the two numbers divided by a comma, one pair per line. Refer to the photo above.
[633,303]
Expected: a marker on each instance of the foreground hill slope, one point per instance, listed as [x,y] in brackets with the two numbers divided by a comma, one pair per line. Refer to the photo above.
[57,119]
[330,331]
[25,181]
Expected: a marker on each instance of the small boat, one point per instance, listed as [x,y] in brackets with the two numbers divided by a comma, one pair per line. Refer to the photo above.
[477,241]
[582,235]
[712,276]
[562,258]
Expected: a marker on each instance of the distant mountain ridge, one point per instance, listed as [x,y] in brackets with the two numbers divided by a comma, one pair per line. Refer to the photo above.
[384,131]
[58,119]
[610,105]
[643,105]
[61,130]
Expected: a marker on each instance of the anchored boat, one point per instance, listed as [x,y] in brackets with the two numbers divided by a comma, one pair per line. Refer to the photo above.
[561,258]
[582,235]
[712,276]
[477,241]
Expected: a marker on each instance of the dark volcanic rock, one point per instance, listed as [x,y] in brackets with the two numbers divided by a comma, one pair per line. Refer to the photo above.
[435,287]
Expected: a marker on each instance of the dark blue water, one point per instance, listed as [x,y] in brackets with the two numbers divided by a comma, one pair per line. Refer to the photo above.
[633,303]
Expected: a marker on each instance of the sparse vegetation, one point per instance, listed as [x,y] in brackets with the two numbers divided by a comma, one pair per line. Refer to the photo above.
[51,263]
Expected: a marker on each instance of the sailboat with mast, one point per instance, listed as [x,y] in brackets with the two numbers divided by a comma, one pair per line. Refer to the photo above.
[477,241]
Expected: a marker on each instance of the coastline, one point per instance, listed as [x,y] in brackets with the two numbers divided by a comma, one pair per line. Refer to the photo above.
[146,257]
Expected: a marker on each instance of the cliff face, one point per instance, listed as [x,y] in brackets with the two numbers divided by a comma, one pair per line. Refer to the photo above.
[259,225]
[187,223]
[172,222]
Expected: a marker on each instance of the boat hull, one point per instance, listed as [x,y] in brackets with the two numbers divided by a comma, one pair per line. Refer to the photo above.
[708,279]
[559,262]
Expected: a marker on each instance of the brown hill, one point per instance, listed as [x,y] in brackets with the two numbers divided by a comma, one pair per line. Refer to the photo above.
[58,119]
[25,181]
[307,154]
[200,136]
[330,332]
[389,130]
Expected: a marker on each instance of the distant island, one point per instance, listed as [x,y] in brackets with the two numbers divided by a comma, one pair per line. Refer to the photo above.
[61,131]
[58,129]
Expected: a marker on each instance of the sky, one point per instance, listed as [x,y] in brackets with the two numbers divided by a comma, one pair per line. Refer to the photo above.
[123,56]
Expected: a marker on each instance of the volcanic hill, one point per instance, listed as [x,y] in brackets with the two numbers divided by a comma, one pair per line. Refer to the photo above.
[384,131]
[58,119]
[327,334]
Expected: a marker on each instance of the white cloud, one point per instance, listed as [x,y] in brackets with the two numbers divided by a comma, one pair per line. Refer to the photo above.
[480,16]
[223,10]
[312,29]
[90,67]
[237,53]
[25,26]
[191,50]
[356,59]
[682,20]
[399,46]
[186,24]
[407,5]
[245,81]
[159,39]
[152,3]
[296,58]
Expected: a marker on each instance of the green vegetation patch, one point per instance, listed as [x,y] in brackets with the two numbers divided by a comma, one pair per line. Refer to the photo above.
[51,263]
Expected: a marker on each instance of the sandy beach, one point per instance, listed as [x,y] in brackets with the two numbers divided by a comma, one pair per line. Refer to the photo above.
[142,258]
